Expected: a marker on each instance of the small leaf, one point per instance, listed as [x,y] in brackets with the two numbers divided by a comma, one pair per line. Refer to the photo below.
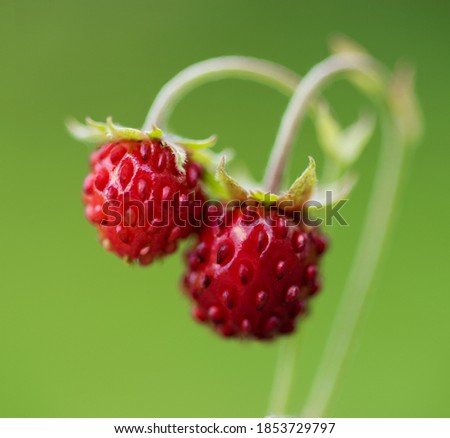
[343,145]
[233,188]
[355,138]
[302,188]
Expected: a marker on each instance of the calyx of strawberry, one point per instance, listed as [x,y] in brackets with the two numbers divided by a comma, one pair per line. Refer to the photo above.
[101,133]
[299,192]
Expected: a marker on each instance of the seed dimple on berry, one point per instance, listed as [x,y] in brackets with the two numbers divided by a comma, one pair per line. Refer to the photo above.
[227,330]
[111,192]
[300,242]
[130,217]
[199,314]
[192,175]
[117,154]
[101,180]
[281,269]
[299,308]
[288,327]
[311,273]
[262,242]
[104,151]
[206,281]
[292,294]
[145,250]
[225,253]
[144,151]
[281,228]
[123,234]
[126,172]
[245,326]
[142,189]
[227,298]
[244,273]
[315,287]
[165,193]
[174,234]
[147,258]
[272,324]
[261,299]
[202,251]
[160,163]
[106,243]
[320,243]
[215,314]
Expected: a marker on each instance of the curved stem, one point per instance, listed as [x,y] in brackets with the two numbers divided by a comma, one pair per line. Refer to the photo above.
[213,69]
[362,272]
[294,114]
[298,105]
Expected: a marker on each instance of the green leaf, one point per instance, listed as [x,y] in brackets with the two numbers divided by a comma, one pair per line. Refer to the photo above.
[302,188]
[355,138]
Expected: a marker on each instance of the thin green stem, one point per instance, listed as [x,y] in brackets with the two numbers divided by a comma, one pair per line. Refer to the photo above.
[213,69]
[294,114]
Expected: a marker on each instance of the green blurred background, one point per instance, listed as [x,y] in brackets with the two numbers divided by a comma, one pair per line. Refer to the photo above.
[82,334]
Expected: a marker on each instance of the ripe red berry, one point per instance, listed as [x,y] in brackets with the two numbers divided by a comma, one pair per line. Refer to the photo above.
[252,276]
[139,200]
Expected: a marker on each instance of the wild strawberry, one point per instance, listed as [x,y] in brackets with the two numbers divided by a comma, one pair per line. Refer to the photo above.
[142,193]
[252,275]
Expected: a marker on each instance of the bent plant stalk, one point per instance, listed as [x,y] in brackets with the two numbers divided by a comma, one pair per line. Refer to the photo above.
[213,69]
[373,235]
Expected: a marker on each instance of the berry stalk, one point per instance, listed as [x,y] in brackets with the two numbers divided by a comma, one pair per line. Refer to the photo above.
[214,69]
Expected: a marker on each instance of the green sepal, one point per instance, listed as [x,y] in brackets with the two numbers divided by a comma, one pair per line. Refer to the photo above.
[232,188]
[191,144]
[99,132]
[301,190]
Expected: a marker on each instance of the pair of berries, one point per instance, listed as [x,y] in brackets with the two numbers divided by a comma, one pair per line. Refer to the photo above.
[250,272]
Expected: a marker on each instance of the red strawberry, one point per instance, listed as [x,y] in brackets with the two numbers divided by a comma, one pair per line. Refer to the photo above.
[127,194]
[253,274]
